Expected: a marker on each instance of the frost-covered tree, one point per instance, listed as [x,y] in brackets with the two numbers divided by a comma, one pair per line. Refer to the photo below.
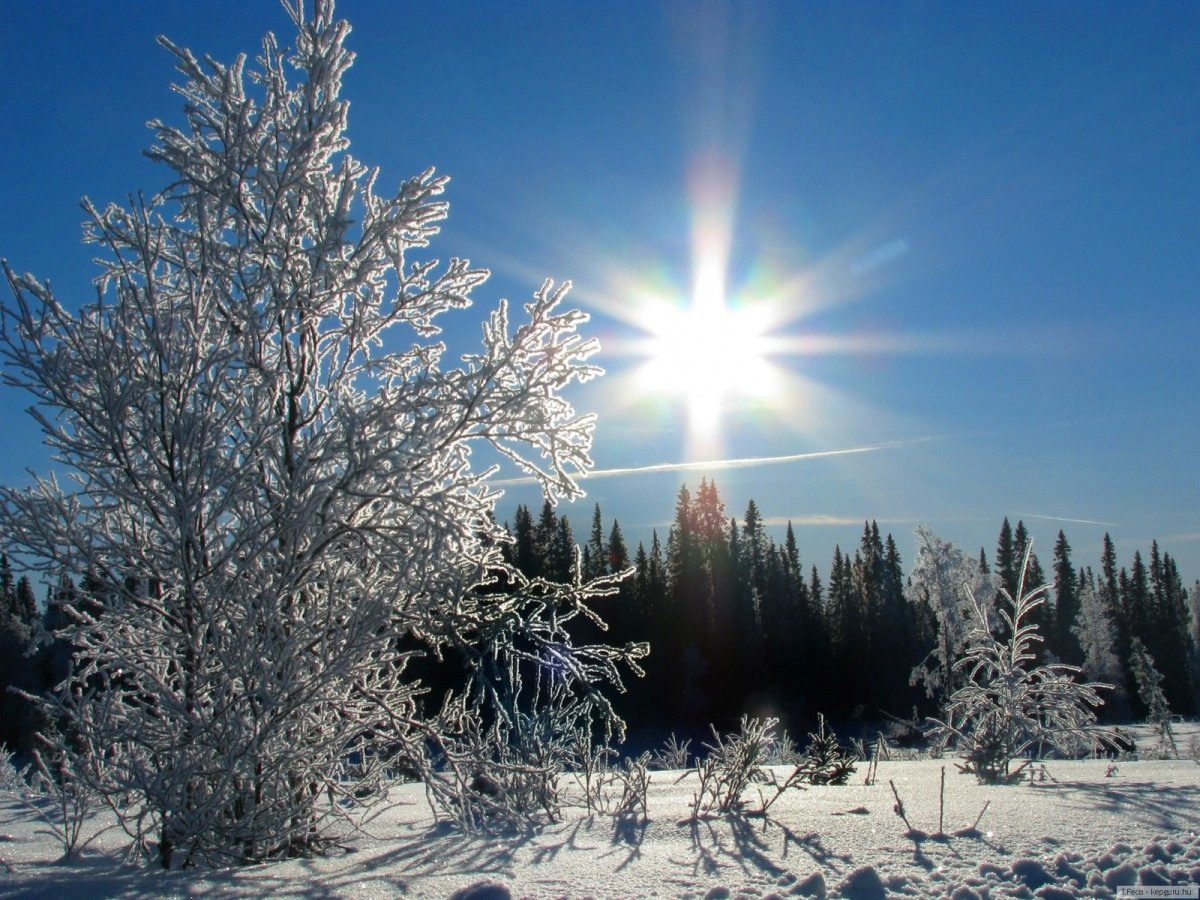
[952,585]
[270,469]
[1009,706]
[1096,633]
[1148,681]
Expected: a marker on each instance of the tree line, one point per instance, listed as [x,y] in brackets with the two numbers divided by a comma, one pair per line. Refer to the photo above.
[738,622]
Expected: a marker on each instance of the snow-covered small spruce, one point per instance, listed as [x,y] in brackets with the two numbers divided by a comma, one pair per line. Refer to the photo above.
[1148,681]
[271,484]
[1008,708]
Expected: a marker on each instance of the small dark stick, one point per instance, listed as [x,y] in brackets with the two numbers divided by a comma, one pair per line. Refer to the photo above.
[975,827]
[942,802]
[899,807]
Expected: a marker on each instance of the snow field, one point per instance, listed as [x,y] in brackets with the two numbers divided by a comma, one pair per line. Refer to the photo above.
[1079,832]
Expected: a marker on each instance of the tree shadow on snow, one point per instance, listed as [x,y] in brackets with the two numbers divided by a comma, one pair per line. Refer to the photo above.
[813,844]
[734,839]
[1164,807]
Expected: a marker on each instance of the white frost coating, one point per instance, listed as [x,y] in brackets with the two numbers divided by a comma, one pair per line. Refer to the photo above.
[267,497]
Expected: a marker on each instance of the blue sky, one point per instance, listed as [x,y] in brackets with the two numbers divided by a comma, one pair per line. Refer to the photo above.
[968,232]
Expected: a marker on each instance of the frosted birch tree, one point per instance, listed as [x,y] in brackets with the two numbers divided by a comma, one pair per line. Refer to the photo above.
[269,471]
[948,580]
[1097,634]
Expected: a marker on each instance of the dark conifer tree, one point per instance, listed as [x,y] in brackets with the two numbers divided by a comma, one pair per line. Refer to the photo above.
[655,602]
[1066,605]
[26,606]
[841,625]
[564,559]
[618,553]
[1170,619]
[596,549]
[19,717]
[8,590]
[754,559]
[1007,560]
[684,628]
[898,647]
[525,543]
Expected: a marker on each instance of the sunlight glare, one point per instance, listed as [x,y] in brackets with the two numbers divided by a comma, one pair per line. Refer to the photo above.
[708,354]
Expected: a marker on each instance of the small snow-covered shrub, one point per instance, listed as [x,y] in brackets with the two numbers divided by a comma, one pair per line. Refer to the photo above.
[826,761]
[613,790]
[672,754]
[57,788]
[783,751]
[1006,707]
[732,764]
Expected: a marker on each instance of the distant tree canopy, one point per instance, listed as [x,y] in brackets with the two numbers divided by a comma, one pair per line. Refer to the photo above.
[740,623]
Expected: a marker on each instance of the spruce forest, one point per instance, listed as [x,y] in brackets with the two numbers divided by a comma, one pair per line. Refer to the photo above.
[740,623]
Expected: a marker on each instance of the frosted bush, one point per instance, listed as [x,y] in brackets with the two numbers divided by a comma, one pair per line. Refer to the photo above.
[1007,707]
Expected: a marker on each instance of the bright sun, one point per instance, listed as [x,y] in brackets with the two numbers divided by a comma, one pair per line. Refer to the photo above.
[709,354]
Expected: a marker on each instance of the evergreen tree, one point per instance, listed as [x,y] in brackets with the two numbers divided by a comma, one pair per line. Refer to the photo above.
[565,560]
[525,544]
[847,639]
[1006,560]
[1148,681]
[1194,607]
[1137,600]
[8,592]
[596,549]
[684,627]
[1169,617]
[816,594]
[618,553]
[656,582]
[1066,606]
[754,559]
[546,543]
[896,643]
[1194,649]
[25,603]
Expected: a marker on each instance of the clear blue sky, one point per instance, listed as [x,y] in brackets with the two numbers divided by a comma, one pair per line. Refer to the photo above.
[974,230]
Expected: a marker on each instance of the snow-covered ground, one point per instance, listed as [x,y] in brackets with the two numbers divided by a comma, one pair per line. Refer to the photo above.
[1082,830]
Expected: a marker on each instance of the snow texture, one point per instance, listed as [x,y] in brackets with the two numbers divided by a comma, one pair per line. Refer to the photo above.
[1078,833]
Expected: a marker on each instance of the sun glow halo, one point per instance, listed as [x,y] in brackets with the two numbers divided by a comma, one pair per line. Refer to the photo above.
[709,354]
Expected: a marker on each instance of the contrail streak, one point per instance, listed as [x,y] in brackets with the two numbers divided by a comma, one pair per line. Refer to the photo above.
[1076,521]
[719,464]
